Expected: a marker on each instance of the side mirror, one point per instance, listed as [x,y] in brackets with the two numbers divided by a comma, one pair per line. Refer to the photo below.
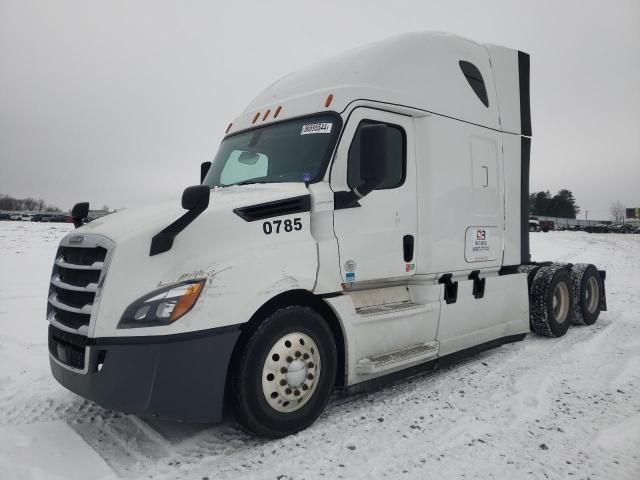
[373,157]
[196,198]
[204,169]
[79,212]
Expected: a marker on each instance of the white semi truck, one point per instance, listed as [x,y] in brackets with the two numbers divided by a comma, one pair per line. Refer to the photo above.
[364,219]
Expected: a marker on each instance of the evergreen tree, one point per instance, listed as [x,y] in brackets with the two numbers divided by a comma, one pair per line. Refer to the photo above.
[562,205]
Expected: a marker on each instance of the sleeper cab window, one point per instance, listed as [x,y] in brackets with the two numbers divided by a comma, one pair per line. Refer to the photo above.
[396,156]
[474,77]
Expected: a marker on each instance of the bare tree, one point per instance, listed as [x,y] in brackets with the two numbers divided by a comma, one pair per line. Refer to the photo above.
[19,204]
[30,203]
[617,211]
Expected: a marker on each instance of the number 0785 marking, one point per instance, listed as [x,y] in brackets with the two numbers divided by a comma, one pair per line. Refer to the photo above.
[279,226]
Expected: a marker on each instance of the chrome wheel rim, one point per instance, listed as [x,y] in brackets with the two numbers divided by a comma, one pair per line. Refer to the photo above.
[561,302]
[592,294]
[290,373]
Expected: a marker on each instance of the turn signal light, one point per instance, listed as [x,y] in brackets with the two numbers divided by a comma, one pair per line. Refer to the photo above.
[187,301]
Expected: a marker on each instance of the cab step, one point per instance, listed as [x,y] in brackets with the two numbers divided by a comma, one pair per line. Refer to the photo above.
[398,358]
[387,308]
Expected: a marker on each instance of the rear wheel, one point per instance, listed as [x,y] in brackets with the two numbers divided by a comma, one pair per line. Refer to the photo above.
[551,305]
[286,373]
[587,288]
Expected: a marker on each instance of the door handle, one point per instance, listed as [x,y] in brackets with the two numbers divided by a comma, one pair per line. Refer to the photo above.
[486,176]
[407,248]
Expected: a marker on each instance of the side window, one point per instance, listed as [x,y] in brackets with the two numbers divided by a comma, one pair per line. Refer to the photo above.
[396,157]
[243,165]
[474,77]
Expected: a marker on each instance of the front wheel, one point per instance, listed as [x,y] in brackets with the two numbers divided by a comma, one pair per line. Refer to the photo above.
[286,373]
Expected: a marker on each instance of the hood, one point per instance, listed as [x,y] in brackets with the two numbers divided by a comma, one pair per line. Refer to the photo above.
[219,245]
[153,218]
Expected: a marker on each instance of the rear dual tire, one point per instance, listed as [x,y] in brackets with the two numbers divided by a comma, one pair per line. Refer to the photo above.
[563,294]
[551,305]
[587,293]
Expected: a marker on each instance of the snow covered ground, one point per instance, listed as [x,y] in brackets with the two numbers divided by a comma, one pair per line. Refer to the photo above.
[541,408]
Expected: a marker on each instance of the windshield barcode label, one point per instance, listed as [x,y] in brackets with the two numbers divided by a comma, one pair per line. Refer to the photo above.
[316,128]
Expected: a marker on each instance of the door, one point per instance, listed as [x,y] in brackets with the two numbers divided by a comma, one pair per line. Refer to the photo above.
[376,238]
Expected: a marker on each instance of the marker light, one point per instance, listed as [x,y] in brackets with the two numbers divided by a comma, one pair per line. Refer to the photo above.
[329,100]
[256,117]
[163,306]
[277,112]
[228,128]
[266,114]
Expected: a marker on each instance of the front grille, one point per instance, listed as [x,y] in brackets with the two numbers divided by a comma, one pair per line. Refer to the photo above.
[67,348]
[74,298]
[83,255]
[70,319]
[75,282]
[78,278]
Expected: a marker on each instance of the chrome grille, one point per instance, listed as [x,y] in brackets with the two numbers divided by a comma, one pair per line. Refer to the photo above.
[78,274]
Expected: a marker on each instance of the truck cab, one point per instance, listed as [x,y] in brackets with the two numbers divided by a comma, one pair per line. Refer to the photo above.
[363,219]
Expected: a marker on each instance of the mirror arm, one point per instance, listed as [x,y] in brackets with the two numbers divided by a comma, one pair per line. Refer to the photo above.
[163,240]
[351,198]
[344,199]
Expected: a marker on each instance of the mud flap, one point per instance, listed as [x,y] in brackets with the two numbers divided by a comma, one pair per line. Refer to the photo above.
[603,293]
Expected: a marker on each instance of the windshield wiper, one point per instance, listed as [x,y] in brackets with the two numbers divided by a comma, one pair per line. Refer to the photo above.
[247,182]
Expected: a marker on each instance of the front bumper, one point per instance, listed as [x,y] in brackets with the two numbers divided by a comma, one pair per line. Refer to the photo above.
[176,377]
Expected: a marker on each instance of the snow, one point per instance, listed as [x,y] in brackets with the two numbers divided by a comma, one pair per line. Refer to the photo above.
[541,408]
[42,450]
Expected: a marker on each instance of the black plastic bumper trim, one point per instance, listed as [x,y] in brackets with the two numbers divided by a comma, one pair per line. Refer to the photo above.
[175,377]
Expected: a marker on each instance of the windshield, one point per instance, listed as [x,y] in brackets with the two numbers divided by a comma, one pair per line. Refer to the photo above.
[292,151]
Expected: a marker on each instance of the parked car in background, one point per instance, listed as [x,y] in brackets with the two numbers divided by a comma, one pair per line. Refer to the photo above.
[5,216]
[546,225]
[622,228]
[534,225]
[58,218]
[15,217]
[26,217]
[597,228]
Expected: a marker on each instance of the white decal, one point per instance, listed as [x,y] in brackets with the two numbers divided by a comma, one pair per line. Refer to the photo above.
[316,128]
[481,244]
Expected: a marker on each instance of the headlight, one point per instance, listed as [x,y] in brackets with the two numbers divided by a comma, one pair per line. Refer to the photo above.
[163,306]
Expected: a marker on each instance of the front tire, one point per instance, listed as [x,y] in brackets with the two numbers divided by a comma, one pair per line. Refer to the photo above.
[285,374]
[551,304]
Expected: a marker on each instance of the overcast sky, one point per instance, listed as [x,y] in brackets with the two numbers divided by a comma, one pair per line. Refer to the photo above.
[118,102]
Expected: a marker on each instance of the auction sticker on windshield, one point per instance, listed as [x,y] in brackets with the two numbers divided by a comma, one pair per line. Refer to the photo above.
[316,128]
